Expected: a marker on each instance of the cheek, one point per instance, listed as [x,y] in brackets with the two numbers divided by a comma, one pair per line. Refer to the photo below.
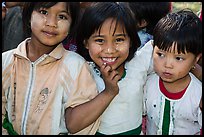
[94,50]
[64,27]
[124,50]
[124,47]
[37,21]
[184,69]
[124,53]
[155,67]
[156,64]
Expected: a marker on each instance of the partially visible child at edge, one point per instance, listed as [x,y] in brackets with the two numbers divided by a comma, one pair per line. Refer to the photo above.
[12,25]
[106,35]
[147,15]
[173,94]
[200,63]
[41,80]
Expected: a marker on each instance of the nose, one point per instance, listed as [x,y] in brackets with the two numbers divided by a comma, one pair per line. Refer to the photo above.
[51,21]
[169,63]
[110,48]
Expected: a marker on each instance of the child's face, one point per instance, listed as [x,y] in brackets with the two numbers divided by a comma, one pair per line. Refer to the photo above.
[108,48]
[171,66]
[50,26]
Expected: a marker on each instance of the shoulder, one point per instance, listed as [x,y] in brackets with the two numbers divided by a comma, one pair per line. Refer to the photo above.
[143,57]
[152,79]
[74,63]
[7,58]
[72,58]
[151,86]
[194,91]
[152,83]
[145,53]
[7,53]
[196,84]
[147,48]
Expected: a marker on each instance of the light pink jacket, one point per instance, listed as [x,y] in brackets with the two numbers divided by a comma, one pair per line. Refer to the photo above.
[36,94]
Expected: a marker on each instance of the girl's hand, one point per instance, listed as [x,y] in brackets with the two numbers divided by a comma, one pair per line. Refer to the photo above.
[111,78]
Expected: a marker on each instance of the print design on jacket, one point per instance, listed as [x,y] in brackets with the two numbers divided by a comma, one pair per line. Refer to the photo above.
[42,100]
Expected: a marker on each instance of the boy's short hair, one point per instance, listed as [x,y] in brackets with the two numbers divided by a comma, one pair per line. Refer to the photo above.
[184,28]
[29,7]
[94,17]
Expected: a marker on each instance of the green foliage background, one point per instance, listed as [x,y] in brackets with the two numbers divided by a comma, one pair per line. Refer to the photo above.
[194,6]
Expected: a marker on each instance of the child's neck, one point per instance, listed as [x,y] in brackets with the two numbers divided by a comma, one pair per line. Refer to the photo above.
[121,70]
[178,85]
[35,51]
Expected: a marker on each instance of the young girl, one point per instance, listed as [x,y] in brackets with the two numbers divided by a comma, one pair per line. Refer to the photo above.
[173,94]
[107,35]
[41,80]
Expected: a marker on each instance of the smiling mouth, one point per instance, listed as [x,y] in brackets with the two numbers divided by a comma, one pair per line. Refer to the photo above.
[49,33]
[109,60]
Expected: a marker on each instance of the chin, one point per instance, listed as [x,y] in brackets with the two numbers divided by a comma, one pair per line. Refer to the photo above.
[51,44]
[167,80]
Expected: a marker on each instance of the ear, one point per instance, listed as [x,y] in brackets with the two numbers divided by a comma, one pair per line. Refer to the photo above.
[198,57]
[86,44]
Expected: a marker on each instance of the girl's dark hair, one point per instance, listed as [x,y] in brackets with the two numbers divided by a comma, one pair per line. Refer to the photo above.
[151,12]
[29,7]
[94,17]
[182,27]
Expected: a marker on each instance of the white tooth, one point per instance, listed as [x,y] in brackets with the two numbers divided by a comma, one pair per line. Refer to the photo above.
[109,59]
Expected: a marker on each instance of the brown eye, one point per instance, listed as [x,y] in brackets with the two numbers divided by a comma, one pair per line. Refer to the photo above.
[119,40]
[159,54]
[99,41]
[179,58]
[62,17]
[44,12]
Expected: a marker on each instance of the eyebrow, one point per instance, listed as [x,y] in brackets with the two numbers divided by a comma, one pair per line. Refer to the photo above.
[120,35]
[117,35]
[64,11]
[175,53]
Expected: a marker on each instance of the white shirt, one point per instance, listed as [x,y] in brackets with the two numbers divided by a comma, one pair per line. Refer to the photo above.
[185,114]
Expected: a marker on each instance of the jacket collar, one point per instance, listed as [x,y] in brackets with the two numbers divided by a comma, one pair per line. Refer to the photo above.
[57,53]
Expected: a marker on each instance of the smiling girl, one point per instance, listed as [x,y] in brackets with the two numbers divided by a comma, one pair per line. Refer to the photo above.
[107,36]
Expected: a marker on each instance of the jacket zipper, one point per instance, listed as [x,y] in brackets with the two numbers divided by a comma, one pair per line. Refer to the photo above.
[27,101]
